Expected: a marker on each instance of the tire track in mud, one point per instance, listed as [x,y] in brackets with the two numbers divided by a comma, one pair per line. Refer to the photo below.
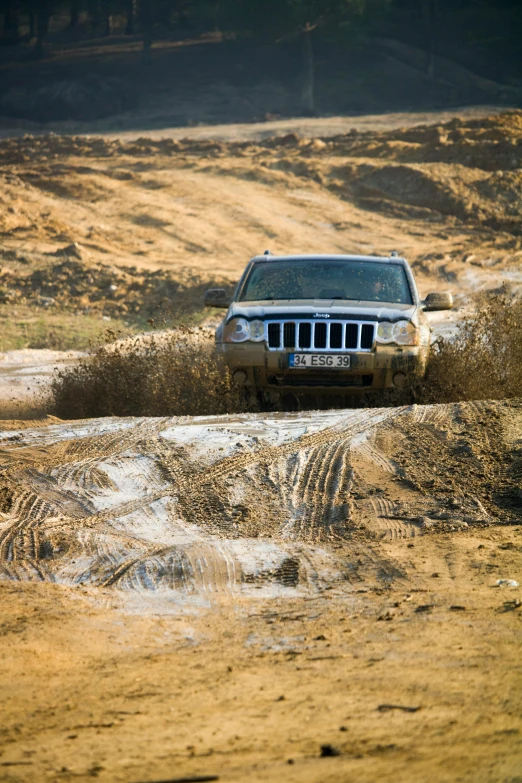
[324,470]
[133,509]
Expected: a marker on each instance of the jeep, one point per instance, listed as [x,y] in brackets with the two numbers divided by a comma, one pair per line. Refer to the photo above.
[325,324]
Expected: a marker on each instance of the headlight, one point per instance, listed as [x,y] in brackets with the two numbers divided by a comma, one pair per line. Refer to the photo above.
[257,331]
[237,331]
[405,333]
[385,332]
[401,333]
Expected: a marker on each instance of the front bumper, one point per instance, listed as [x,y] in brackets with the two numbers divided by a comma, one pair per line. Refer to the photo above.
[369,370]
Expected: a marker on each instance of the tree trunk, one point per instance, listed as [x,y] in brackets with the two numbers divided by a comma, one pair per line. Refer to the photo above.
[42,27]
[74,14]
[32,23]
[12,20]
[431,23]
[147,23]
[308,95]
[107,24]
[130,27]
[94,14]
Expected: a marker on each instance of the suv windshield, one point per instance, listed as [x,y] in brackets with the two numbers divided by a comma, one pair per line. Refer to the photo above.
[369,281]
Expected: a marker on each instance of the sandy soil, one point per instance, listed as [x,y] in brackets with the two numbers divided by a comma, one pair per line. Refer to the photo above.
[224,596]
[446,196]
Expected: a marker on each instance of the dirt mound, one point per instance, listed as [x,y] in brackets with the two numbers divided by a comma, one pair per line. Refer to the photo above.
[149,223]
[470,195]
[79,286]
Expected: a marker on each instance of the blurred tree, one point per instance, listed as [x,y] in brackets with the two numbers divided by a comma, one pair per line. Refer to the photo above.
[146,14]
[42,26]
[74,10]
[280,20]
[12,20]
[131,7]
[32,9]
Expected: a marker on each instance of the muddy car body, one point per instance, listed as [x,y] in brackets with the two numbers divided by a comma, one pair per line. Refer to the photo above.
[323,324]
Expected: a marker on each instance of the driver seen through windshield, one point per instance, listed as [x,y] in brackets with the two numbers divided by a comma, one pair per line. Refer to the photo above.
[344,280]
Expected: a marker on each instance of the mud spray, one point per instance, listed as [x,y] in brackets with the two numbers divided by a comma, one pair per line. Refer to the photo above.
[179,375]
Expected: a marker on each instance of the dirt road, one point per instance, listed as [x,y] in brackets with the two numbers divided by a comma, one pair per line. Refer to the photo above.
[223,596]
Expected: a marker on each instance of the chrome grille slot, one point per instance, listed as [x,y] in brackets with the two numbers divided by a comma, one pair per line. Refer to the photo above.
[320,335]
[274,335]
[336,335]
[289,334]
[305,335]
[352,336]
[325,335]
[367,336]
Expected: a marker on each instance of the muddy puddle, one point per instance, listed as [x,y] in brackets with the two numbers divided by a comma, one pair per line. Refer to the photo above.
[26,374]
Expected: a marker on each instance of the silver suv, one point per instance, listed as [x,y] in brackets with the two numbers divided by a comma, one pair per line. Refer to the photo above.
[325,324]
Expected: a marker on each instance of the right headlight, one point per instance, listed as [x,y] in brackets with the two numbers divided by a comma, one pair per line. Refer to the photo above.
[385,332]
[400,333]
[405,333]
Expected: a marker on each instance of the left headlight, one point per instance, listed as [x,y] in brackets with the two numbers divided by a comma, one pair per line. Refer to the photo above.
[405,333]
[257,331]
[236,331]
[239,330]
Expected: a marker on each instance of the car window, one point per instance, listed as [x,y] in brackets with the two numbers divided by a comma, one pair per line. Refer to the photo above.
[369,281]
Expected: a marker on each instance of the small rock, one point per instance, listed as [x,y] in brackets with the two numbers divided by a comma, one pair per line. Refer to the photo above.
[320,638]
[458,524]
[329,750]
[289,138]
[45,301]
[71,251]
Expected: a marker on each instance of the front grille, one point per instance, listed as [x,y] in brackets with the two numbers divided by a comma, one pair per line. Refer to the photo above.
[320,335]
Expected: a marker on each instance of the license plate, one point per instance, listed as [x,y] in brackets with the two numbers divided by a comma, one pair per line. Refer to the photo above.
[326,361]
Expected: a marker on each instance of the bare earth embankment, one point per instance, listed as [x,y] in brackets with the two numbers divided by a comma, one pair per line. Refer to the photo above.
[222,596]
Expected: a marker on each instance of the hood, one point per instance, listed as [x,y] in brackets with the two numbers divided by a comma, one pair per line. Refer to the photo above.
[322,309]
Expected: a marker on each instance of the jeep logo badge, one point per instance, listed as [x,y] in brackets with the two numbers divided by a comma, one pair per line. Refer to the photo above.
[321,315]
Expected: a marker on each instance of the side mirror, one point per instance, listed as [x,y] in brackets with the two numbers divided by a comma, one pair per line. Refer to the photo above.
[216,297]
[438,302]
